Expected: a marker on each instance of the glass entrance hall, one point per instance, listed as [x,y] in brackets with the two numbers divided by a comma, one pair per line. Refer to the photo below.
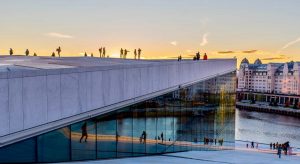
[197,117]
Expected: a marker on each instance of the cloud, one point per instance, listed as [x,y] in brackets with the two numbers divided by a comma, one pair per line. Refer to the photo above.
[204,39]
[281,57]
[59,35]
[249,51]
[288,45]
[174,43]
[226,52]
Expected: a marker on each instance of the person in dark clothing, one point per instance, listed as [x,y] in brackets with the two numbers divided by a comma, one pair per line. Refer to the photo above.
[11,51]
[252,144]
[139,53]
[27,52]
[135,53]
[279,149]
[84,132]
[271,145]
[100,52]
[274,146]
[121,53]
[58,51]
[198,56]
[162,136]
[104,52]
[53,54]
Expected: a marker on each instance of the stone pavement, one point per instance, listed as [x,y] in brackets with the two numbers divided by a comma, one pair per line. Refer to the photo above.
[226,156]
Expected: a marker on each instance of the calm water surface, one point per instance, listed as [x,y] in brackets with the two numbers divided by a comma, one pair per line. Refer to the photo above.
[266,127]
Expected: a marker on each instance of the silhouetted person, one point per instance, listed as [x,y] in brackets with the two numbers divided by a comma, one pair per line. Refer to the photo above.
[125,53]
[198,56]
[85,54]
[252,144]
[104,51]
[205,56]
[271,145]
[179,58]
[53,54]
[58,51]
[162,136]
[11,51]
[279,149]
[92,55]
[100,52]
[121,53]
[84,132]
[34,54]
[139,53]
[135,54]
[27,52]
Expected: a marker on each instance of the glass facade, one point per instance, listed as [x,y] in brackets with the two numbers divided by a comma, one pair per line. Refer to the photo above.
[197,117]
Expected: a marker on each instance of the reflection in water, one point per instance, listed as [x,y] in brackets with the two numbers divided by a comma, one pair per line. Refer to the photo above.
[267,127]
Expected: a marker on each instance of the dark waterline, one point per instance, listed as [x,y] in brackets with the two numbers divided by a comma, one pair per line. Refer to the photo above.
[267,127]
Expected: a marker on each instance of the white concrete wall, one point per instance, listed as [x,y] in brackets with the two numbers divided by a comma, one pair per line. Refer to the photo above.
[32,98]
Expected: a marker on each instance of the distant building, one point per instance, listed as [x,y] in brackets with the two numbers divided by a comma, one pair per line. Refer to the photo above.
[277,78]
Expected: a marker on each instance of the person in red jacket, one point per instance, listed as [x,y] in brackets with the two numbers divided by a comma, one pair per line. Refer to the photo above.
[205,57]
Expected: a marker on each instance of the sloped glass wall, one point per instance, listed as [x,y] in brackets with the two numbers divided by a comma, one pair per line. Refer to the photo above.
[197,117]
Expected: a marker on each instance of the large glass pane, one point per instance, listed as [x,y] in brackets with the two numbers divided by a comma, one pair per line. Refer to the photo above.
[139,129]
[106,136]
[54,146]
[170,121]
[161,124]
[83,140]
[124,132]
[21,152]
[151,127]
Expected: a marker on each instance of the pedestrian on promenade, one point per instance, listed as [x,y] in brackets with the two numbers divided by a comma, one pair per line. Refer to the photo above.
[252,144]
[162,137]
[271,145]
[279,151]
[247,145]
[274,146]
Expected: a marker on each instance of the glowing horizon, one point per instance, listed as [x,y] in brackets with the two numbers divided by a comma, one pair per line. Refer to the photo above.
[162,29]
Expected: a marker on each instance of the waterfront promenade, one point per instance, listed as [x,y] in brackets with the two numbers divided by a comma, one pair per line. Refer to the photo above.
[264,107]
[205,157]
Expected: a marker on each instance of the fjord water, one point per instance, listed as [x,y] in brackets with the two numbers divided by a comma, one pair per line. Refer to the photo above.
[267,128]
